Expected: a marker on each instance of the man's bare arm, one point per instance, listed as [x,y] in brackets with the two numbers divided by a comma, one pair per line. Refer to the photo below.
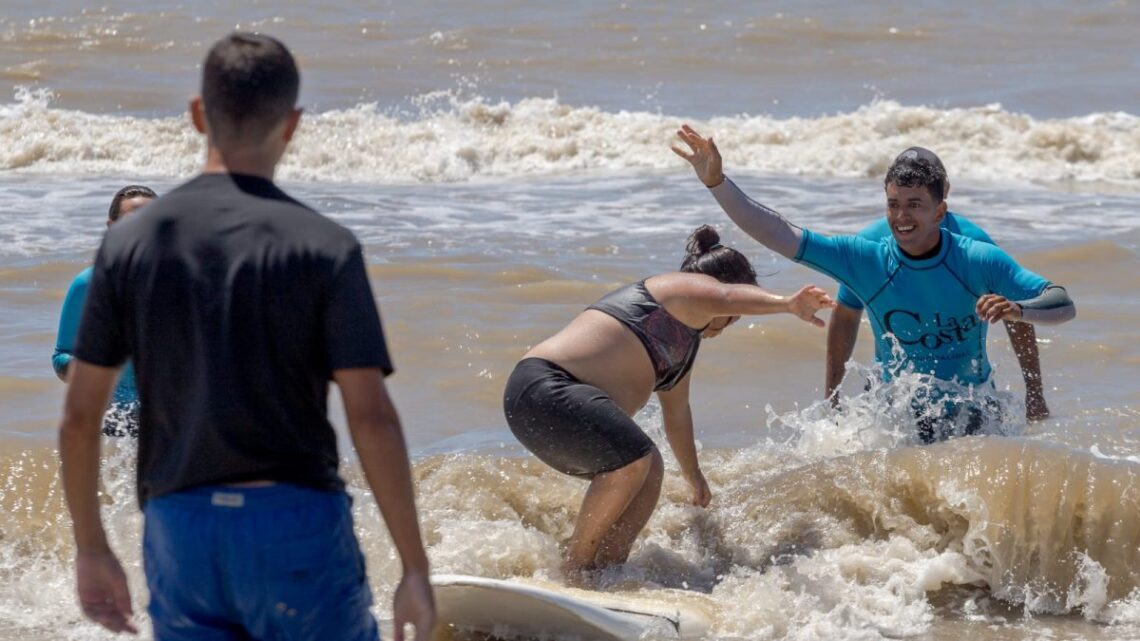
[1023,337]
[102,585]
[758,221]
[379,442]
[79,449]
[842,333]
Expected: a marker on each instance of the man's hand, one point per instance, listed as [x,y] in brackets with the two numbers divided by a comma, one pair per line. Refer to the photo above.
[702,495]
[809,300]
[103,592]
[705,157]
[1035,407]
[413,603]
[992,308]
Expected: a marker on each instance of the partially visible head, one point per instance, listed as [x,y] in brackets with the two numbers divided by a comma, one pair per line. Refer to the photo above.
[718,325]
[705,255]
[916,188]
[919,167]
[249,88]
[127,200]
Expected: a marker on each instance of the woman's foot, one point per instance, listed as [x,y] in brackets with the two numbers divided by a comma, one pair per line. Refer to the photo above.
[578,575]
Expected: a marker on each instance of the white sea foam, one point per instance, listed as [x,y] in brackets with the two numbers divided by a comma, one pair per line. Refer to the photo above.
[798,545]
[882,417]
[38,593]
[451,139]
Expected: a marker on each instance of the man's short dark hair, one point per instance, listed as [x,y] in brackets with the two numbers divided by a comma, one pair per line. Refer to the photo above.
[250,84]
[127,193]
[918,167]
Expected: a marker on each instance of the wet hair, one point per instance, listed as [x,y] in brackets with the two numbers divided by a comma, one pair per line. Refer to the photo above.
[918,167]
[127,193]
[707,256]
[250,84]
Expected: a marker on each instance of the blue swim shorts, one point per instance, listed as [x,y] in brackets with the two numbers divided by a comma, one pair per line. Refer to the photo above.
[278,562]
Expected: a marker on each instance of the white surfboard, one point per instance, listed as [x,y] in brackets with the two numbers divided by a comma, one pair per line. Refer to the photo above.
[524,609]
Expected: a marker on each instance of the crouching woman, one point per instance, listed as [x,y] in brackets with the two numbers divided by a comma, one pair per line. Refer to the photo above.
[571,398]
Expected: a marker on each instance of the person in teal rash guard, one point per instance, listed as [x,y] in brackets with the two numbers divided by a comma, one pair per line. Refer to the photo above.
[930,293]
[123,414]
[843,326]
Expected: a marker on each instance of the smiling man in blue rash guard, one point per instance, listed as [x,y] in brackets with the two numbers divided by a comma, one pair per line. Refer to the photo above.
[843,327]
[929,292]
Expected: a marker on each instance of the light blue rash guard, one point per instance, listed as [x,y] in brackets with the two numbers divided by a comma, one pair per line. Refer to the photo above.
[880,229]
[927,305]
[126,393]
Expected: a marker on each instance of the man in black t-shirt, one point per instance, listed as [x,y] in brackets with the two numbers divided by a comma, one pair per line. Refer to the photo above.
[237,304]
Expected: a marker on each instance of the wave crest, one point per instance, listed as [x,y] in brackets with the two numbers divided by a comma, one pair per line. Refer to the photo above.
[450,139]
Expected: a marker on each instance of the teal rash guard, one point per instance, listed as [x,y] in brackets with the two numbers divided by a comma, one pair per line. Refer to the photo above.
[126,393]
[926,305]
[881,229]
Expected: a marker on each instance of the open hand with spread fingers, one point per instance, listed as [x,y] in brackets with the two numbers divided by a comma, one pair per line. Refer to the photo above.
[702,155]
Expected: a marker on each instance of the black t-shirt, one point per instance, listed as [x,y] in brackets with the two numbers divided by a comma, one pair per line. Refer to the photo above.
[236,303]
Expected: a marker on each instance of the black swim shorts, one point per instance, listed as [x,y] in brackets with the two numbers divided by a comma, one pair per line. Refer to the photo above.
[957,418]
[573,427]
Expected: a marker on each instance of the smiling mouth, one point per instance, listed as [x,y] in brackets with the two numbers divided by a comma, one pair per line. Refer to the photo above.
[905,229]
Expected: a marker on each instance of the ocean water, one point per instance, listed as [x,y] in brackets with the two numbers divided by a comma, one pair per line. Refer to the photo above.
[506,163]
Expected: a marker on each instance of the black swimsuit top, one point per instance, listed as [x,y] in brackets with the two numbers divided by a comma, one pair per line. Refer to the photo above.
[671,344]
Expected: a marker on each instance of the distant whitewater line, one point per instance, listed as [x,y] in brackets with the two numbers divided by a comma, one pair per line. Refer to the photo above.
[454,140]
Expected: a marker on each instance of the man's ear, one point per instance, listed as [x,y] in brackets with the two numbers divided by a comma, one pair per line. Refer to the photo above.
[198,114]
[942,207]
[291,123]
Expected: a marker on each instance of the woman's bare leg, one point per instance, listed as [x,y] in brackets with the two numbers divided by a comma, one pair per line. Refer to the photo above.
[618,542]
[608,497]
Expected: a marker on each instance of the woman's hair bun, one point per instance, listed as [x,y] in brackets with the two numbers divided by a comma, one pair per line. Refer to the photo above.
[702,240]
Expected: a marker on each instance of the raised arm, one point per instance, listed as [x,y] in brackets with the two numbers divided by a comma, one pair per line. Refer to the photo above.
[678,419]
[758,221]
[379,442]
